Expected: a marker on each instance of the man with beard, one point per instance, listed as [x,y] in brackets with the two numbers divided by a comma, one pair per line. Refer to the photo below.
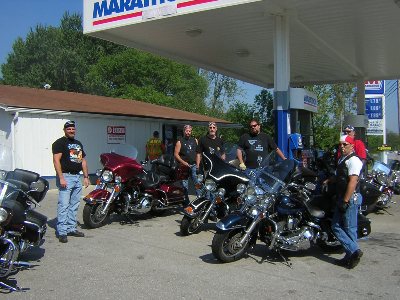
[256,145]
[210,143]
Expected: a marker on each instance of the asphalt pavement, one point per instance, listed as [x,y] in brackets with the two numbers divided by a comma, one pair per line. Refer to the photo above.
[148,259]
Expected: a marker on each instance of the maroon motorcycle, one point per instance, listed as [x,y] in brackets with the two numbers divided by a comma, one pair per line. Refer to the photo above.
[125,187]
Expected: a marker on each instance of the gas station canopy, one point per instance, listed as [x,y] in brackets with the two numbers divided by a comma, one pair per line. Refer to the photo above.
[330,40]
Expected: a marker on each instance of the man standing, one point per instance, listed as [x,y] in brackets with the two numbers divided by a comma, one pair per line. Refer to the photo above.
[359,147]
[185,154]
[344,222]
[69,160]
[154,147]
[256,145]
[210,143]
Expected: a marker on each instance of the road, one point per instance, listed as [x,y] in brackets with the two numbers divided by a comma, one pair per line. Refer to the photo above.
[148,259]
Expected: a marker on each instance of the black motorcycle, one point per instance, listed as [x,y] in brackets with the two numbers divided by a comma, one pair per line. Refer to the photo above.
[282,212]
[220,194]
[20,226]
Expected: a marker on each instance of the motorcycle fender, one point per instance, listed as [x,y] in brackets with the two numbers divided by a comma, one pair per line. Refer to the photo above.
[97,196]
[232,221]
[196,206]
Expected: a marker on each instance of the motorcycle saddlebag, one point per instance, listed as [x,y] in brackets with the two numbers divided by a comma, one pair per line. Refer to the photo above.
[35,227]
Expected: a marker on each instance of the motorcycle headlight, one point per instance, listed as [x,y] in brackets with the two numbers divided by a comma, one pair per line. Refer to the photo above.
[98,172]
[4,215]
[107,176]
[210,185]
[240,188]
[254,212]
[200,177]
[250,199]
[221,192]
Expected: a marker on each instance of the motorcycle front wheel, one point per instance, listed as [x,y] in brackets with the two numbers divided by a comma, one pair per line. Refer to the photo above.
[226,246]
[92,216]
[191,225]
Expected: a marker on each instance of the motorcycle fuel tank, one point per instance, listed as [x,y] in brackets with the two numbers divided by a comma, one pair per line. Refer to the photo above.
[289,206]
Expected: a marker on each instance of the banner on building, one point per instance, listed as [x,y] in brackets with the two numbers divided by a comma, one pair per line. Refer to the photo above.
[116,135]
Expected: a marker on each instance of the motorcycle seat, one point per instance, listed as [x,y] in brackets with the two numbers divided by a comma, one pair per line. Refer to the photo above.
[150,179]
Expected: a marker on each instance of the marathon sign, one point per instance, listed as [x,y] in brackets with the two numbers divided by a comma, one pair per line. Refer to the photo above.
[104,14]
[375,87]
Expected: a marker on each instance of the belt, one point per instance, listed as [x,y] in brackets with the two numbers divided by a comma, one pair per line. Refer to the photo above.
[72,173]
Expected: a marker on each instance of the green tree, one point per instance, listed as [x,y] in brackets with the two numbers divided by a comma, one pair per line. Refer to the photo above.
[263,111]
[59,56]
[142,76]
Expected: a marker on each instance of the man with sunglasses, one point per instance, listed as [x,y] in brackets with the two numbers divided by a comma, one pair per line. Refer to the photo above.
[256,145]
[359,147]
[210,143]
[344,221]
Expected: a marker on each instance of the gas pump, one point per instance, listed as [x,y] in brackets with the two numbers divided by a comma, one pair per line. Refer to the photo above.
[295,146]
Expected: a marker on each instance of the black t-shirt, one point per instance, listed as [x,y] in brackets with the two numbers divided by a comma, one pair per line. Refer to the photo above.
[72,154]
[255,146]
[209,145]
[188,149]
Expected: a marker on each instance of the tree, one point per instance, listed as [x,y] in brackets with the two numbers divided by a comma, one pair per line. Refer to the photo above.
[134,74]
[222,91]
[60,56]
[263,111]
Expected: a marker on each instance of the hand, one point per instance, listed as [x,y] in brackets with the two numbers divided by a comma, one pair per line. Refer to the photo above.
[343,207]
[86,182]
[63,183]
[242,166]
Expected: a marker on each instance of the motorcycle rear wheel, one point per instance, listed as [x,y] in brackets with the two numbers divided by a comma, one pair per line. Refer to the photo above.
[226,247]
[190,225]
[92,216]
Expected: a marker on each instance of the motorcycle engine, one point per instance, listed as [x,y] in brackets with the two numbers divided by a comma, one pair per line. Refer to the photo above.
[137,203]
[293,236]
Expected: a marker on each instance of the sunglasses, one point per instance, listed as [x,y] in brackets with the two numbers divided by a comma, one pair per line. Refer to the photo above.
[344,144]
[212,127]
[253,125]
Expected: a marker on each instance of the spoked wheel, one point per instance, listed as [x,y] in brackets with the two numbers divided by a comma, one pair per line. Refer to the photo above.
[226,246]
[92,216]
[191,225]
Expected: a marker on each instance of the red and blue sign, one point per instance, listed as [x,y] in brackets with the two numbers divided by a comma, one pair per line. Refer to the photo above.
[375,87]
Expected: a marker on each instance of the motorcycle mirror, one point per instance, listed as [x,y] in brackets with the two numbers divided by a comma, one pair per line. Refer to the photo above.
[37,186]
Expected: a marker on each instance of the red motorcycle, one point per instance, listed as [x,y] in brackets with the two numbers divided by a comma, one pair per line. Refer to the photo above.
[125,187]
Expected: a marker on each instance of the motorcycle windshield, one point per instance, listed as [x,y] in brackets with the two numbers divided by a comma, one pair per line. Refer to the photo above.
[380,167]
[7,192]
[125,150]
[273,178]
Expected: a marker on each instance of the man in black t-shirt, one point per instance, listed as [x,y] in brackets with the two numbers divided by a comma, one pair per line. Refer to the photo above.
[69,161]
[210,143]
[256,146]
[185,154]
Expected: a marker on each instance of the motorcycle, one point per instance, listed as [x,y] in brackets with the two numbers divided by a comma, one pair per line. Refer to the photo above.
[381,177]
[220,198]
[281,211]
[20,225]
[395,170]
[125,187]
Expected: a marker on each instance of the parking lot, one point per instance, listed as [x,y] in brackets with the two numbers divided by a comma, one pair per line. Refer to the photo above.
[148,259]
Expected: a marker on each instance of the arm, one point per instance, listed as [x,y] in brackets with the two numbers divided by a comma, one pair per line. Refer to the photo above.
[85,173]
[177,156]
[57,167]
[351,187]
[198,159]
[239,155]
[280,153]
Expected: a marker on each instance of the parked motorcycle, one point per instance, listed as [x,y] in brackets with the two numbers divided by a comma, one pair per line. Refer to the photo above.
[20,226]
[220,197]
[395,170]
[281,211]
[125,187]
[381,177]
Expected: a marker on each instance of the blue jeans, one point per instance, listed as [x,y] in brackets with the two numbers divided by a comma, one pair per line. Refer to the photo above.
[344,226]
[68,203]
[185,184]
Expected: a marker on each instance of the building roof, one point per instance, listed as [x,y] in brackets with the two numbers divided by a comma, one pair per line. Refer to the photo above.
[13,97]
